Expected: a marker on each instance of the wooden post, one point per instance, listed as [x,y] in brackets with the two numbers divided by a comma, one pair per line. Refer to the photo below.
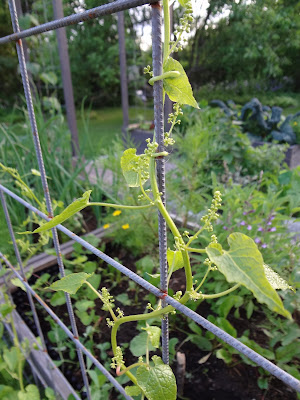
[66,76]
[123,71]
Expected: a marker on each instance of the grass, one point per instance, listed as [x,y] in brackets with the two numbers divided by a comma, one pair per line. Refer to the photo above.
[98,128]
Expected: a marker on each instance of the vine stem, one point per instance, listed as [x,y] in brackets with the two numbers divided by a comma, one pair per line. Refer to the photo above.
[20,358]
[166,29]
[121,205]
[215,296]
[113,315]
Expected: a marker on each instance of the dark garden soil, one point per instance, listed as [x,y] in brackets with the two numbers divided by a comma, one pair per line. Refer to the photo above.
[211,380]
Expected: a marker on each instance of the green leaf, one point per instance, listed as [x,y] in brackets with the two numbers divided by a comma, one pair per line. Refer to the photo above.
[229,302]
[83,305]
[132,390]
[70,283]
[275,280]
[200,341]
[6,309]
[183,2]
[224,355]
[178,89]
[284,354]
[154,335]
[124,299]
[138,344]
[84,317]
[224,324]
[175,260]
[31,393]
[134,166]
[243,263]
[50,394]
[158,382]
[58,299]
[11,357]
[72,209]
[49,77]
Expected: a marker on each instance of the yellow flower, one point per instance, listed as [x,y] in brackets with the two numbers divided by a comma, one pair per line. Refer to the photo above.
[126,226]
[295,123]
[106,226]
[116,213]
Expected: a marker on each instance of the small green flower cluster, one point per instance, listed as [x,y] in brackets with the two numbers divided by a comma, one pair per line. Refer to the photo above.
[151,147]
[209,263]
[184,26]
[173,119]
[147,70]
[212,213]
[117,360]
[108,300]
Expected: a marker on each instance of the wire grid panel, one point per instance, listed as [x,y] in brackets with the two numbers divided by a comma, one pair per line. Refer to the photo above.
[156,18]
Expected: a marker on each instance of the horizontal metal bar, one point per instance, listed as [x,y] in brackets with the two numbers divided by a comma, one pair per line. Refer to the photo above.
[68,332]
[73,19]
[257,358]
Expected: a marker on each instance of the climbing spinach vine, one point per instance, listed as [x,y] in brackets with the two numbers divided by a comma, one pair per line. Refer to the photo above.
[242,264]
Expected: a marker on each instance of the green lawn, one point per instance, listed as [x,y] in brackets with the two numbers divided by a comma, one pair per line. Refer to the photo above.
[98,128]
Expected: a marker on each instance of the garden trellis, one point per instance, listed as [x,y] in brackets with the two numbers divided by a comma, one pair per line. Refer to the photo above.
[17,36]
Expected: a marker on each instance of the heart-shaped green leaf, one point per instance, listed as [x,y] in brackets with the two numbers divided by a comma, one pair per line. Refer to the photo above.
[31,393]
[158,382]
[175,260]
[134,167]
[70,283]
[178,89]
[243,263]
[72,209]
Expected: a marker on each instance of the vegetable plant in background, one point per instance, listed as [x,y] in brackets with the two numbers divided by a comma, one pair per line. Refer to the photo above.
[12,362]
[242,264]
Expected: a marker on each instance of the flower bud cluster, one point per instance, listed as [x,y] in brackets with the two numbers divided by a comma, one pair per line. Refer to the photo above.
[151,147]
[141,167]
[179,243]
[117,360]
[195,295]
[108,300]
[212,214]
[147,70]
[210,264]
[184,25]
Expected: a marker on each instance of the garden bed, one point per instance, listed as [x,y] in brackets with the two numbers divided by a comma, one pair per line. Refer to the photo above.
[205,377]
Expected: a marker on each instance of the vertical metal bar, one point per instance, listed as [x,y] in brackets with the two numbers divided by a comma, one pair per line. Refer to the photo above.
[38,150]
[17,253]
[66,76]
[123,70]
[159,135]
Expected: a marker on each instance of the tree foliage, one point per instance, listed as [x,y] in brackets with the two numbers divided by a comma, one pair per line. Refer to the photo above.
[257,40]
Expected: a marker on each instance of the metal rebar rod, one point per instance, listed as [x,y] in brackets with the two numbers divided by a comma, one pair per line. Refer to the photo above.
[19,260]
[159,136]
[73,19]
[235,343]
[36,140]
[68,332]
